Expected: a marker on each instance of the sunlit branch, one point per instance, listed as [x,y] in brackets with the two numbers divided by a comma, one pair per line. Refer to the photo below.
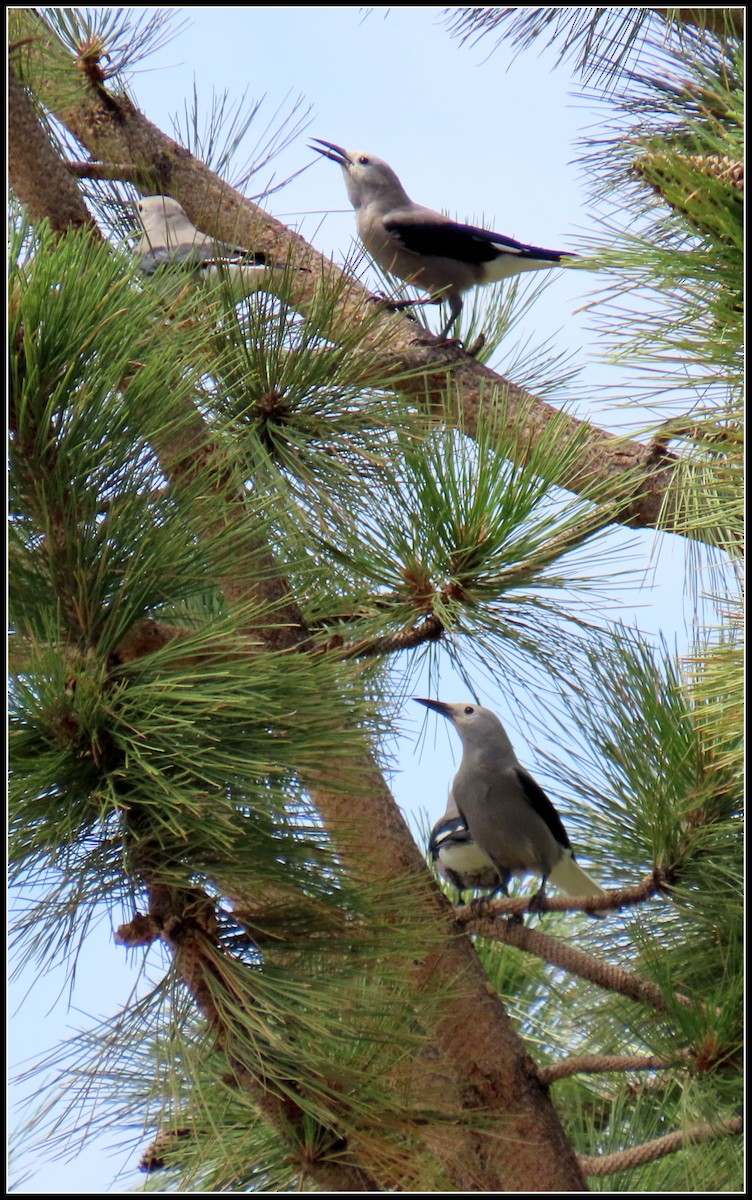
[592,1064]
[628,1160]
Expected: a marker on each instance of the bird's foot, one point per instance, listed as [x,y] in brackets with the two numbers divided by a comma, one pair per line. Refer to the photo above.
[426,338]
[389,304]
[537,902]
[475,347]
[473,350]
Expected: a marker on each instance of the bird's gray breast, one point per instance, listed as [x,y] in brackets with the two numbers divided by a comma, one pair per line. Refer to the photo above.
[502,821]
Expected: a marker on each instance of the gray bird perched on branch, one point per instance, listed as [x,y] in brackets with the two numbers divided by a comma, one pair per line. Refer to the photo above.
[424,247]
[508,815]
[170,241]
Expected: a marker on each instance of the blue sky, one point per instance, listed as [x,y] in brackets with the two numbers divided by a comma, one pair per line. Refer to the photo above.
[469,131]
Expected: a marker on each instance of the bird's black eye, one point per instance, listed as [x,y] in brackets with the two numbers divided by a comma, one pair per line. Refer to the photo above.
[364,160]
[469,710]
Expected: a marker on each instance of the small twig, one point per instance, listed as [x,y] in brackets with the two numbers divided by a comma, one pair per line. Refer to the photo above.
[592,1064]
[429,630]
[127,172]
[712,19]
[146,636]
[637,1156]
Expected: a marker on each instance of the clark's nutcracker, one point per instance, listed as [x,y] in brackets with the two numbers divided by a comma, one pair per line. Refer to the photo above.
[459,859]
[422,246]
[169,240]
[509,816]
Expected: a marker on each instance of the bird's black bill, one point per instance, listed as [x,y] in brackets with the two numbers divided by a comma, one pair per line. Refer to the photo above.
[437,705]
[332,151]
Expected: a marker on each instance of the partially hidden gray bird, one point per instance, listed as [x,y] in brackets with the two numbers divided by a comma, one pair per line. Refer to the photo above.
[170,241]
[459,859]
[422,246]
[507,814]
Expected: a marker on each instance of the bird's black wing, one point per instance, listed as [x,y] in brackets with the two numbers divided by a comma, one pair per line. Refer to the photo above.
[544,808]
[443,238]
[159,256]
[222,253]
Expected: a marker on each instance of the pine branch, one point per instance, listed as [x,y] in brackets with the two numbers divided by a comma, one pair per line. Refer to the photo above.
[425,594]
[187,925]
[591,1064]
[611,901]
[569,958]
[637,1156]
[146,636]
[35,170]
[635,480]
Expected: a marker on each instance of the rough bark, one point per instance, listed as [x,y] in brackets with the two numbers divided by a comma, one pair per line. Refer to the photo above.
[36,173]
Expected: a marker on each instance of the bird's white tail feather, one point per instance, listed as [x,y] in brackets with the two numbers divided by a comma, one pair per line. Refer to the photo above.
[571,878]
[510,264]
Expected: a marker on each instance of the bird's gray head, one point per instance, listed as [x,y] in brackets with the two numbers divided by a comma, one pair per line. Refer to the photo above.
[478,727]
[367,177]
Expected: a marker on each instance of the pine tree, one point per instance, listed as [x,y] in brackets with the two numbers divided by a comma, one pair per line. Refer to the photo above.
[235,527]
